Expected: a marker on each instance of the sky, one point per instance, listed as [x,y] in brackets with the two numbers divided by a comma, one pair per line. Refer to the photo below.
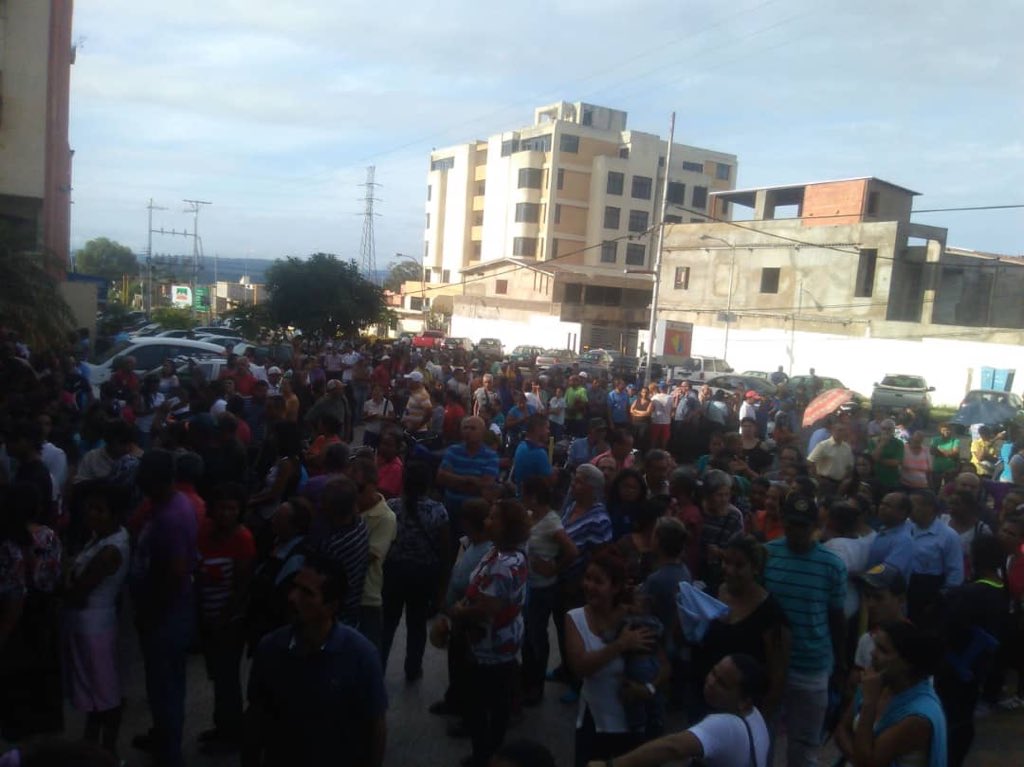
[272,111]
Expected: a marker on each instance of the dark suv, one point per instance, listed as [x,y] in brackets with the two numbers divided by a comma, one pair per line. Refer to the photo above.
[610,364]
[490,348]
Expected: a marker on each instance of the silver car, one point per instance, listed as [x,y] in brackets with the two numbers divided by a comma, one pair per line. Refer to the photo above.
[898,391]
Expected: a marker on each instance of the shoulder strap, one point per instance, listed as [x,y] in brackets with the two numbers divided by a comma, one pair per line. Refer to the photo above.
[750,739]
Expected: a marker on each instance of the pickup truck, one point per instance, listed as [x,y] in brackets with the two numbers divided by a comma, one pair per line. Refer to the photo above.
[428,339]
[610,364]
[897,391]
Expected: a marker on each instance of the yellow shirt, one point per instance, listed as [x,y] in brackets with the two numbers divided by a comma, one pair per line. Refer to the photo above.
[381,528]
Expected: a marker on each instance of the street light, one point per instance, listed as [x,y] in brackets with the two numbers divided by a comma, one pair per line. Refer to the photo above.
[799,308]
[423,282]
[728,305]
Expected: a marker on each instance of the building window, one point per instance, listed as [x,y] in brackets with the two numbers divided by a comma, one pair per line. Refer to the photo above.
[872,203]
[611,217]
[510,146]
[527,212]
[724,210]
[722,171]
[501,287]
[443,163]
[560,182]
[695,167]
[573,293]
[661,161]
[417,303]
[481,188]
[569,143]
[616,181]
[430,191]
[588,117]
[609,252]
[426,251]
[865,285]
[700,197]
[695,220]
[530,178]
[676,193]
[636,254]
[524,246]
[428,221]
[426,275]
[478,218]
[558,213]
[638,220]
[642,188]
[477,248]
[770,279]
[554,248]
[670,219]
[446,276]
[624,152]
[682,278]
[536,144]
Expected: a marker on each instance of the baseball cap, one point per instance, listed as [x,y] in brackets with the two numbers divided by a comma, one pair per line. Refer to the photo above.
[416,376]
[583,374]
[751,393]
[883,578]
[274,371]
[385,357]
[800,508]
[598,423]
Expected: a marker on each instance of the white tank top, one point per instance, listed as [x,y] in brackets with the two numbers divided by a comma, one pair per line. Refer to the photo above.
[100,610]
[601,689]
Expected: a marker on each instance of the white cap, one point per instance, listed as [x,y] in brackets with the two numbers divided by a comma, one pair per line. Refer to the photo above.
[274,371]
[416,376]
[583,374]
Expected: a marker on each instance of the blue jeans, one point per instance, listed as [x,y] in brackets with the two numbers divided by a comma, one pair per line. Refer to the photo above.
[165,643]
[540,604]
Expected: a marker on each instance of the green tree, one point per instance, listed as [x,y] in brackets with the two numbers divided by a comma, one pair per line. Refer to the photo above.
[173,318]
[31,303]
[250,319]
[102,257]
[322,296]
[402,271]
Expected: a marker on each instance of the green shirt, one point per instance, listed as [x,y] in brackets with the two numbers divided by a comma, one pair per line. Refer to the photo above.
[940,463]
[888,476]
[575,395]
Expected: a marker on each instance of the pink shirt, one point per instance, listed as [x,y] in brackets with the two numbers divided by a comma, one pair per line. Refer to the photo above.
[389,477]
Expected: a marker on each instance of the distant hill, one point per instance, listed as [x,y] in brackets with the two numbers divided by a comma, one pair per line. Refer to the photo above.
[227,269]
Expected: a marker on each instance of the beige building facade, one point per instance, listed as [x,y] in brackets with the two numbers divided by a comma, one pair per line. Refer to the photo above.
[36,55]
[576,186]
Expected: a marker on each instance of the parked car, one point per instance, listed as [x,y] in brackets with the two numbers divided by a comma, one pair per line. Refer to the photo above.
[147,330]
[609,364]
[490,349]
[217,330]
[742,383]
[428,339]
[176,333]
[990,407]
[755,374]
[405,339]
[451,343]
[552,358]
[699,369]
[525,356]
[824,383]
[228,342]
[187,368]
[898,391]
[278,354]
[149,353]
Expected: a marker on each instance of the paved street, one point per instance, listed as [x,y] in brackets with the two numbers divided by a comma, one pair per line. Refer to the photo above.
[416,738]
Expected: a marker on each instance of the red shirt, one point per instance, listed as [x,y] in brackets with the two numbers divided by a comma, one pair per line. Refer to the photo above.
[243,432]
[452,428]
[381,377]
[217,564]
[389,477]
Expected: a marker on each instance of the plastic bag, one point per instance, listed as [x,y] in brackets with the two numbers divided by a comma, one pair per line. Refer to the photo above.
[696,611]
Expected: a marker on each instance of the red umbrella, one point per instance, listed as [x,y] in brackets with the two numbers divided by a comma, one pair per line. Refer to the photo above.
[825,404]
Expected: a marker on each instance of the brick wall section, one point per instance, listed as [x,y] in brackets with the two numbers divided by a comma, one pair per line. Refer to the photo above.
[834,204]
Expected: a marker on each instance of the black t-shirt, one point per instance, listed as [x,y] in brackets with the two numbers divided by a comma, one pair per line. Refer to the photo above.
[745,636]
[35,473]
[976,604]
[758,459]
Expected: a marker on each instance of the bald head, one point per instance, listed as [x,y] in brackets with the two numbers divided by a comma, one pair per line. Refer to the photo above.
[473,428]
[968,481]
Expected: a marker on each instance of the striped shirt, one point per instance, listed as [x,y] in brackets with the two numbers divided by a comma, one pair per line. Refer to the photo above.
[808,586]
[588,532]
[457,460]
[349,548]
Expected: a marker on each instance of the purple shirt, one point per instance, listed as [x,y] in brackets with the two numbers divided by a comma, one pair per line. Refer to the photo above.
[167,537]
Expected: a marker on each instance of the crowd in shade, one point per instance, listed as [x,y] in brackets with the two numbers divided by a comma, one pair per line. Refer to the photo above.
[695,572]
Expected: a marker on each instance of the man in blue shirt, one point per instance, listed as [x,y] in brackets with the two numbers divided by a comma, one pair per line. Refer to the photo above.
[618,406]
[469,468]
[937,564]
[316,688]
[531,457]
[585,449]
[809,582]
[893,545]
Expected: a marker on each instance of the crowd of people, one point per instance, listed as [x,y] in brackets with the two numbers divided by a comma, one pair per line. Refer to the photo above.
[695,551]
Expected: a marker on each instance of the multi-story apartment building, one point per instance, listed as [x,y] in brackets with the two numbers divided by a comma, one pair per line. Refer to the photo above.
[35,160]
[576,186]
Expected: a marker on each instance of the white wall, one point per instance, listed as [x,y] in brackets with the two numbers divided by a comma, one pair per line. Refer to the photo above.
[539,330]
[950,365]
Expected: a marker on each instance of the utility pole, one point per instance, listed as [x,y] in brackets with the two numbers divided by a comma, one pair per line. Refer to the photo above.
[194,207]
[367,246]
[656,288]
[147,303]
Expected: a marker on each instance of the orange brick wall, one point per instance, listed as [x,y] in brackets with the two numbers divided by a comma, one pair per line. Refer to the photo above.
[834,204]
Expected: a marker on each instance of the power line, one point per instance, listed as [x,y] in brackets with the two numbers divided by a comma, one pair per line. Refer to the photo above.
[367,244]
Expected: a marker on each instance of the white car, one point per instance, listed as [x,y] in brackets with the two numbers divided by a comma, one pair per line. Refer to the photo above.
[149,353]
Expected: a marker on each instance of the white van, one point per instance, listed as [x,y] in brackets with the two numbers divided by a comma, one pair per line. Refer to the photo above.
[149,353]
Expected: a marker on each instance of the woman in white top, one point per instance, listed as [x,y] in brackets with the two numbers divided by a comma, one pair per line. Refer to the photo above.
[556,413]
[94,582]
[596,643]
[377,411]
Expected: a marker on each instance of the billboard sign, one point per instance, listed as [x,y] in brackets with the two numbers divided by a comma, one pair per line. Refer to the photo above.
[181,296]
